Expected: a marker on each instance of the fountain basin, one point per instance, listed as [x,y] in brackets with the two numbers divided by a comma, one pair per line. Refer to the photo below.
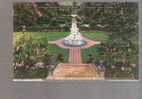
[74,43]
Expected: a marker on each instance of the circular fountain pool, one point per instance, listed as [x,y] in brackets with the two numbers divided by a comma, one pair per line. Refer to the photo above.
[74,42]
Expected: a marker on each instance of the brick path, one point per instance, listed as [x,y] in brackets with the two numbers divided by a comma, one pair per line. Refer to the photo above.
[74,56]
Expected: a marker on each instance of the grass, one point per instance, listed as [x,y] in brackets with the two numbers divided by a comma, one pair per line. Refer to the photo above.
[98,36]
[57,50]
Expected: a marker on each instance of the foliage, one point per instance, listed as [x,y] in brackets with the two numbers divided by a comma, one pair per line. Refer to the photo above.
[60,57]
[58,17]
[31,48]
[120,53]
[24,15]
[90,58]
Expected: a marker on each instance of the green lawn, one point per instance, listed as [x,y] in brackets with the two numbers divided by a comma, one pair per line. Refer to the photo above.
[55,50]
[98,36]
[51,36]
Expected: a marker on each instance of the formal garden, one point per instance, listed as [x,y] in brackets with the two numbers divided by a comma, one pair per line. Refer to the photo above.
[114,25]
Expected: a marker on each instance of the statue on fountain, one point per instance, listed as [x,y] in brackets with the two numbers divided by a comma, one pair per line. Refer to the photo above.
[75,38]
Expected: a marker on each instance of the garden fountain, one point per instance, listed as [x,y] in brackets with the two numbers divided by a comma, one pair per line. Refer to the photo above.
[75,38]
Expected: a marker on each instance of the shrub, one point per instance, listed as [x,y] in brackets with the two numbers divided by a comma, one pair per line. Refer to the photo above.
[60,57]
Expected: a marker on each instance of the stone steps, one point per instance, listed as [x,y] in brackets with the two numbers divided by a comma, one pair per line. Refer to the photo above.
[75,72]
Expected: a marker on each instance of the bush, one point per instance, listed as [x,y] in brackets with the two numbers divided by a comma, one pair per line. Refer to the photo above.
[60,57]
[27,50]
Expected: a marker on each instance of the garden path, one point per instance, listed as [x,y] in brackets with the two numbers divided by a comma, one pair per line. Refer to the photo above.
[74,55]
